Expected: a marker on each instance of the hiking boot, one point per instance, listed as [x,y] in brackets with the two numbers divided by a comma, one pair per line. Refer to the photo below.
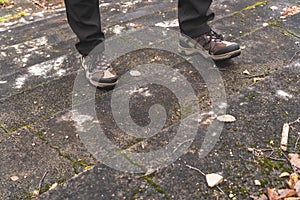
[98,71]
[213,43]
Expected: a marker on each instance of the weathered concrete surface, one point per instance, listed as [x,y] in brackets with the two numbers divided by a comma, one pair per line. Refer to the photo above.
[260,111]
[26,156]
[37,134]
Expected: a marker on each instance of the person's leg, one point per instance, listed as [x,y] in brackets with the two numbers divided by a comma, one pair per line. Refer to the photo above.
[193,16]
[84,19]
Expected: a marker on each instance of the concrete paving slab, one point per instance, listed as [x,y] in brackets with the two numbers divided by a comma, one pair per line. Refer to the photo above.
[44,103]
[28,107]
[124,186]
[26,156]
[260,113]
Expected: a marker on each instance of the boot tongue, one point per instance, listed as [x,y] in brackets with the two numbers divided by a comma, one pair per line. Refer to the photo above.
[215,35]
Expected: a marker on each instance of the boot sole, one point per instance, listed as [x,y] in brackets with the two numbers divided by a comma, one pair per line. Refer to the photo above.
[102,85]
[193,51]
[97,84]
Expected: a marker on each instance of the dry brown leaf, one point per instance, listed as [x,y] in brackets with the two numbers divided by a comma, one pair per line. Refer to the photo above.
[291,11]
[294,160]
[261,197]
[293,180]
[297,188]
[294,177]
[272,194]
[285,193]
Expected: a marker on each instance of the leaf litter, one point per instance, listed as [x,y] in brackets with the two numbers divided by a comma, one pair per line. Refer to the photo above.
[290,11]
[292,189]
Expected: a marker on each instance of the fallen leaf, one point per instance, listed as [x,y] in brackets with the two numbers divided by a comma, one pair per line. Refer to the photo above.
[14,178]
[87,168]
[294,177]
[294,160]
[213,179]
[292,181]
[261,197]
[297,188]
[291,11]
[285,193]
[272,194]
[226,118]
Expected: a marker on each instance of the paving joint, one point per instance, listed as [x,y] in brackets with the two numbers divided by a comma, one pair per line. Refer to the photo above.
[156,187]
[57,149]
[257,4]
[274,24]
[3,129]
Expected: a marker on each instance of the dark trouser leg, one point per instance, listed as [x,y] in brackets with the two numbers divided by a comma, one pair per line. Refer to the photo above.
[193,16]
[84,19]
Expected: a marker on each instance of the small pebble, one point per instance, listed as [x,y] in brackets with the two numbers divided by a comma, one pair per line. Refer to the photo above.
[274,8]
[14,178]
[257,183]
[265,24]
[135,73]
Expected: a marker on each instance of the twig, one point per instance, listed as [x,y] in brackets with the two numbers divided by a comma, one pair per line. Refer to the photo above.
[276,159]
[296,142]
[288,161]
[285,156]
[270,154]
[266,149]
[198,170]
[41,182]
[194,168]
[39,4]
[256,152]
[253,76]
[220,189]
[294,56]
[296,121]
[180,144]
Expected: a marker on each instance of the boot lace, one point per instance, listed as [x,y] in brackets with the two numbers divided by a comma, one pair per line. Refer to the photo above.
[210,39]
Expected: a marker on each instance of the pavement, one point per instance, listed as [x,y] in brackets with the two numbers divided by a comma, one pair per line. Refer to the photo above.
[46,156]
